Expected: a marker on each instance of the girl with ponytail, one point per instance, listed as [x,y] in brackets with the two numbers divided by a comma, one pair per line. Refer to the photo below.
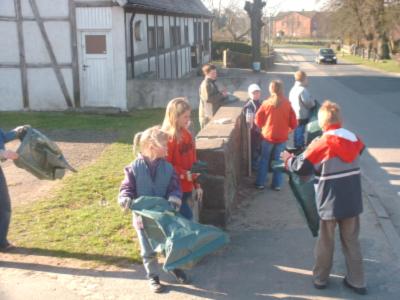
[275,118]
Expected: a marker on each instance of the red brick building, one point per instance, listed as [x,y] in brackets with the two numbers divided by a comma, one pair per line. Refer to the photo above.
[303,24]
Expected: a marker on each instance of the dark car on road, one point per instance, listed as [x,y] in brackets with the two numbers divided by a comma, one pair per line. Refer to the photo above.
[326,55]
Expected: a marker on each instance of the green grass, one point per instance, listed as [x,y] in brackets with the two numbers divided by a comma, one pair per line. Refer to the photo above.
[81,218]
[306,46]
[385,65]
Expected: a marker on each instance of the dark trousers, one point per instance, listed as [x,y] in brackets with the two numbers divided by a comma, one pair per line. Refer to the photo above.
[5,210]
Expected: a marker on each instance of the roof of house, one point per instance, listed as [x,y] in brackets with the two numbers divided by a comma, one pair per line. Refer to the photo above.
[308,14]
[183,7]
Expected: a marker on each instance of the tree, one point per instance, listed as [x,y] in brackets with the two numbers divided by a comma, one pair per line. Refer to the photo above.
[254,10]
[368,20]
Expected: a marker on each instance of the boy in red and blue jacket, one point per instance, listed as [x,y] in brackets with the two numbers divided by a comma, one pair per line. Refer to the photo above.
[334,159]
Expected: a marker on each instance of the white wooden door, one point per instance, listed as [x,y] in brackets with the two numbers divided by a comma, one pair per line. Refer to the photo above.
[97,69]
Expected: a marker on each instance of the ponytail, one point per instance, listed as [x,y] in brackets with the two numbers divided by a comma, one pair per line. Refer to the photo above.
[276,91]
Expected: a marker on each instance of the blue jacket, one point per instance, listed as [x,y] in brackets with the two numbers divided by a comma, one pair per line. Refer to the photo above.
[5,137]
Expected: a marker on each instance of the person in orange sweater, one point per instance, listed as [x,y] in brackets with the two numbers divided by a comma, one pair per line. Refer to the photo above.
[275,118]
[182,151]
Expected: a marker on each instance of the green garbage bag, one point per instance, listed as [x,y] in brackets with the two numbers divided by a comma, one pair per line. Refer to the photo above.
[40,156]
[304,193]
[182,241]
[313,129]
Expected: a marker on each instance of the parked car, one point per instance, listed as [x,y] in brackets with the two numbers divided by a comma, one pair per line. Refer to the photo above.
[326,55]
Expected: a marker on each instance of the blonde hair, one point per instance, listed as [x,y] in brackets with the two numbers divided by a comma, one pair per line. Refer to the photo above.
[300,76]
[175,108]
[152,136]
[329,113]
[276,91]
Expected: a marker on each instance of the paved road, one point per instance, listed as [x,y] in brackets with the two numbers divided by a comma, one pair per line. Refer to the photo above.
[271,253]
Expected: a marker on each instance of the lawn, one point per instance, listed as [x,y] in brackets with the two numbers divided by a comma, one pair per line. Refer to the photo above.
[81,218]
[385,65]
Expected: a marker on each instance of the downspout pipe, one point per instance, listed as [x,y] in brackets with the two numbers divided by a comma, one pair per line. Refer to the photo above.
[131,41]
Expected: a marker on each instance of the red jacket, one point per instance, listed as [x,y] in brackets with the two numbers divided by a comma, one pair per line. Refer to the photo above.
[182,155]
[276,122]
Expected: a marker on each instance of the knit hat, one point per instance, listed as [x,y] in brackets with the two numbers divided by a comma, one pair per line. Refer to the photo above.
[252,88]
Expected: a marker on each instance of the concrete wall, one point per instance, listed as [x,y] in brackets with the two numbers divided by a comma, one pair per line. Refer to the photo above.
[223,147]
[152,93]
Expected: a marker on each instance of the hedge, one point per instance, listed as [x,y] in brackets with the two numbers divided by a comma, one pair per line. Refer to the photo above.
[219,47]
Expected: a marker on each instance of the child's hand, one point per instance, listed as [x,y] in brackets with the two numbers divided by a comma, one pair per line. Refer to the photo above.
[199,194]
[285,156]
[7,154]
[125,203]
[175,202]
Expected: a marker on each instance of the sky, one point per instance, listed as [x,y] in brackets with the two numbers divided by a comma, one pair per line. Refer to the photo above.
[276,5]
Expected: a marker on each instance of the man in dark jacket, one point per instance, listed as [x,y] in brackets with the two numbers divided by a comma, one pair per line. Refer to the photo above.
[334,159]
[210,96]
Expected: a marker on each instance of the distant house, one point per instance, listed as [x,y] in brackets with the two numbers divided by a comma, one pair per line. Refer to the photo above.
[62,54]
[302,24]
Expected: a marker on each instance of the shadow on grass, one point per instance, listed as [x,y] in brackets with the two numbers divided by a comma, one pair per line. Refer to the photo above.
[120,261]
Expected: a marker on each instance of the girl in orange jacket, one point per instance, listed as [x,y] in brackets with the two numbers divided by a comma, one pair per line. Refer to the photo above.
[276,119]
[182,151]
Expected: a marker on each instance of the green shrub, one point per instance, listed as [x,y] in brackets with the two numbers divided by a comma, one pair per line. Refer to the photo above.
[219,47]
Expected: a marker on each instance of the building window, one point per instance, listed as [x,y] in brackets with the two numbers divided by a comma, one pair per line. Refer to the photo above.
[206,36]
[195,32]
[151,38]
[138,30]
[160,38]
[199,32]
[175,32]
[95,44]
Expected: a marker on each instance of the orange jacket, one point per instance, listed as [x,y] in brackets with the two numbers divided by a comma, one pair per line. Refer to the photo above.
[182,155]
[276,122]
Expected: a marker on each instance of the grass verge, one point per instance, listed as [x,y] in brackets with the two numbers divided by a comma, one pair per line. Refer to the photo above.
[384,65]
[80,218]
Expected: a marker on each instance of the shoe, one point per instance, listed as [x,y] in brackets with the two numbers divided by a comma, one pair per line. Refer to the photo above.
[259,187]
[277,188]
[180,276]
[357,290]
[319,286]
[7,247]
[155,285]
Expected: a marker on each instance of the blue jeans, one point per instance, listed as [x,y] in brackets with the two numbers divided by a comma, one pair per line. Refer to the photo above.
[149,256]
[185,209]
[5,210]
[277,177]
[298,136]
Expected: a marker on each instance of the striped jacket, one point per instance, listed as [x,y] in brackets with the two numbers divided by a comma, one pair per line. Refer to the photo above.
[334,159]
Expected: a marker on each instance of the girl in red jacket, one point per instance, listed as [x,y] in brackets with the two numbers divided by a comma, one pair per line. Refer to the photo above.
[275,118]
[181,150]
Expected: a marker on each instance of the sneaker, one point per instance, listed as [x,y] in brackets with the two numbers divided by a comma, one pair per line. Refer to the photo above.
[277,188]
[319,286]
[259,187]
[357,290]
[180,276]
[7,247]
[155,285]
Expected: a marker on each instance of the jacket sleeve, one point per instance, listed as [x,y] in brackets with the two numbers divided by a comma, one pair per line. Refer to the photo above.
[128,185]
[5,137]
[306,99]
[174,187]
[213,95]
[261,117]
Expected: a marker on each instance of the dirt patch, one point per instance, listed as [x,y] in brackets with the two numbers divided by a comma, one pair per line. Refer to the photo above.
[79,147]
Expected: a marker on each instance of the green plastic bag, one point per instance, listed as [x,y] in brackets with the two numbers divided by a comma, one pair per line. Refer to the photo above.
[40,156]
[182,241]
[313,129]
[304,193]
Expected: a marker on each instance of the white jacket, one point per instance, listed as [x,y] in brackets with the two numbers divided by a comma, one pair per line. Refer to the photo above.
[301,101]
